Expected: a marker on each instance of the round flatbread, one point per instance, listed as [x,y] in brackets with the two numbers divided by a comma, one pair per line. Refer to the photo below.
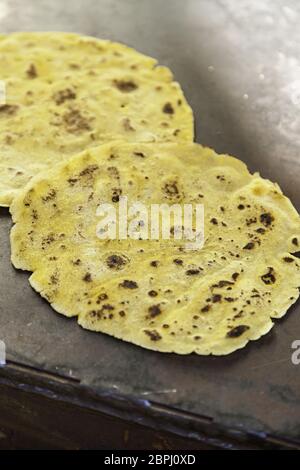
[66,93]
[160,294]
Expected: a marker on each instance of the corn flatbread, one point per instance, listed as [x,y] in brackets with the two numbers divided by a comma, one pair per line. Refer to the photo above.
[158,294]
[66,93]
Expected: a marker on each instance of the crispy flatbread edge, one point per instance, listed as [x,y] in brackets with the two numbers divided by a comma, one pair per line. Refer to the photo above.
[132,340]
[6,198]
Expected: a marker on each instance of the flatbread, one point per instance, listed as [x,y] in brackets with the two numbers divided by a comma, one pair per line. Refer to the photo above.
[66,93]
[159,294]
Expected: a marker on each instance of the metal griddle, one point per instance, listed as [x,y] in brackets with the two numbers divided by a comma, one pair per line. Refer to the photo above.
[238,63]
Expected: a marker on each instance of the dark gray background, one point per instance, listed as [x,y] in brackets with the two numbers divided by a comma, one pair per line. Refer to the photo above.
[238,62]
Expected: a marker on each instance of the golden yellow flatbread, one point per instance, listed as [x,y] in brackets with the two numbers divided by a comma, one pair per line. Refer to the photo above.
[66,93]
[160,294]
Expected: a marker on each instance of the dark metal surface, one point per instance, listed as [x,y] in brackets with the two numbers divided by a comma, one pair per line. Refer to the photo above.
[238,62]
